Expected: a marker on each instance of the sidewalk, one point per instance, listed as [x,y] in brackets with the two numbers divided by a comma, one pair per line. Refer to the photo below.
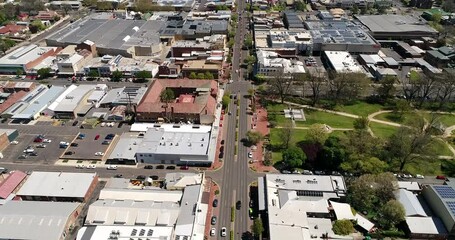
[259,123]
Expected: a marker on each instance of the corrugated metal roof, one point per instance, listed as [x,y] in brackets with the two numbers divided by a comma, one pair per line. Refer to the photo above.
[10,183]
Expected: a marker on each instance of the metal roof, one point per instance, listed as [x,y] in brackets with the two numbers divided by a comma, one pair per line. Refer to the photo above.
[10,183]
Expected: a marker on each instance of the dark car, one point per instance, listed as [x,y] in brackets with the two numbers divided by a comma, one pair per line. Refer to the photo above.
[160,167]
[170,167]
[75,123]
[222,149]
[118,176]
[74,144]
[38,139]
[141,177]
[69,153]
[213,220]
[215,203]
[441,177]
[222,142]
[97,137]
[184,168]
[238,205]
[33,154]
[221,155]
[154,177]
[120,125]
[110,136]
[148,167]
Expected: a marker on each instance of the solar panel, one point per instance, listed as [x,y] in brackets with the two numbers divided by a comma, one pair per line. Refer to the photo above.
[451,206]
[445,191]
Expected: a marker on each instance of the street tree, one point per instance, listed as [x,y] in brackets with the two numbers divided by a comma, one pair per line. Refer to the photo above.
[248,42]
[192,75]
[285,135]
[254,137]
[355,9]
[445,88]
[316,81]
[209,75]
[410,142]
[400,108]
[44,73]
[343,227]
[10,11]
[36,26]
[293,157]
[280,84]
[200,76]
[257,228]
[299,5]
[317,133]
[117,76]
[387,88]
[361,123]
[93,74]
[364,165]
[332,154]
[391,214]
[226,100]
[66,8]
[347,86]
[142,76]
[19,72]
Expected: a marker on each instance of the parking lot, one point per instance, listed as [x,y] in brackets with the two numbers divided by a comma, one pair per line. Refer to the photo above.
[93,146]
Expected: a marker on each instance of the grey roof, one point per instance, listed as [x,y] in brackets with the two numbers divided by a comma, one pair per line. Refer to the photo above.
[74,98]
[110,33]
[39,104]
[34,220]
[28,99]
[309,182]
[410,203]
[394,23]
[190,28]
[331,31]
[121,96]
[126,147]
[190,202]
[130,212]
[57,184]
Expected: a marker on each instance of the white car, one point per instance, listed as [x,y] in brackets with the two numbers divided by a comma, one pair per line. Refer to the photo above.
[81,166]
[91,166]
[47,140]
[112,167]
[29,150]
[212,232]
[250,155]
[14,142]
[99,154]
[419,176]
[41,145]
[223,232]
[103,124]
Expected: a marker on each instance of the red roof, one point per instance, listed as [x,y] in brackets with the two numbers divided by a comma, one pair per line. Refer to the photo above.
[11,28]
[11,183]
[13,98]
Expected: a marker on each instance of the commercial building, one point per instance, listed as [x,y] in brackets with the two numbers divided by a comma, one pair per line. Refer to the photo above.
[340,62]
[125,150]
[441,199]
[402,27]
[341,36]
[71,62]
[201,66]
[25,58]
[300,40]
[296,206]
[123,96]
[180,180]
[37,220]
[270,64]
[128,38]
[11,100]
[11,87]
[195,102]
[58,186]
[9,185]
[75,103]
[177,144]
[124,232]
[440,57]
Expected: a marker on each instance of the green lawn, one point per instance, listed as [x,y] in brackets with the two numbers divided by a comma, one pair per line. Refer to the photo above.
[333,120]
[446,119]
[360,108]
[382,131]
[440,148]
[424,166]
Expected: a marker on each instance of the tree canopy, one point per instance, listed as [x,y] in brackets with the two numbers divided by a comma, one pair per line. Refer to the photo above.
[293,157]
[343,227]
[391,213]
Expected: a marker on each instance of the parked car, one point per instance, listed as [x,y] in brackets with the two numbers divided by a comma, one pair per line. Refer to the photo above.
[419,176]
[47,140]
[81,166]
[170,167]
[285,172]
[41,145]
[148,167]
[33,154]
[250,155]
[215,203]
[14,142]
[106,142]
[118,176]
[441,177]
[81,136]
[223,232]
[112,167]
[213,220]
[38,140]
[99,154]
[74,144]
[3,170]
[212,232]
[160,167]
[184,168]
[91,166]
[69,153]
[110,136]
[97,137]
[29,150]
[154,177]
[141,177]
[238,205]
[75,123]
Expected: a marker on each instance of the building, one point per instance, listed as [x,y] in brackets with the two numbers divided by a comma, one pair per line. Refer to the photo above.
[440,57]
[12,99]
[25,58]
[12,87]
[341,62]
[180,180]
[75,103]
[9,185]
[270,64]
[195,101]
[168,70]
[300,40]
[177,144]
[441,199]
[112,36]
[70,62]
[11,134]
[201,66]
[58,186]
[12,30]
[37,220]
[296,206]
[47,15]
[292,20]
[126,232]
[403,27]
[340,36]
[123,96]
[75,5]
[125,150]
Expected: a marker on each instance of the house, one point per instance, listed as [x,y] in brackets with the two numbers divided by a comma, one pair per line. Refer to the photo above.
[46,15]
[12,30]
[201,66]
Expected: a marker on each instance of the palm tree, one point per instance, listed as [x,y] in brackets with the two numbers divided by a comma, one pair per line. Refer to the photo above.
[166,96]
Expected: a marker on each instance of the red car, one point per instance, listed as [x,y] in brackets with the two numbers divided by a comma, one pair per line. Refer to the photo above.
[97,137]
[441,177]
[184,168]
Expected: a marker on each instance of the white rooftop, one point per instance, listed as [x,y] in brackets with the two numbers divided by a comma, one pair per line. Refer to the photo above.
[74,98]
[57,184]
[141,195]
[34,220]
[181,180]
[425,225]
[126,147]
[62,96]
[342,61]
[124,232]
[410,203]
[24,55]
[410,186]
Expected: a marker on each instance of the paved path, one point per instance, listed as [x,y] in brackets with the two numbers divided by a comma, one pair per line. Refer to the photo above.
[331,128]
